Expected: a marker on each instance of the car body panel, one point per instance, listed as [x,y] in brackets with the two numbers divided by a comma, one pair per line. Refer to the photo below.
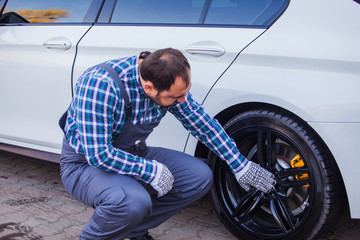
[342,148]
[40,85]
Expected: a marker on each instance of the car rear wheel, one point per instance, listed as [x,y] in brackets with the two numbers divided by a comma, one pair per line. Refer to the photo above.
[308,184]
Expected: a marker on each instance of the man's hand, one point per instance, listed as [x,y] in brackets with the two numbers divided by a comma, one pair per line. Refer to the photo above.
[163,180]
[253,175]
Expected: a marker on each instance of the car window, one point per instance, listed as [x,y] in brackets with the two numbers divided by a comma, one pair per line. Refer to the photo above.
[244,12]
[158,11]
[45,11]
[220,12]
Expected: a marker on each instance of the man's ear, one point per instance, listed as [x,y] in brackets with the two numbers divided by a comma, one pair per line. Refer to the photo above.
[149,88]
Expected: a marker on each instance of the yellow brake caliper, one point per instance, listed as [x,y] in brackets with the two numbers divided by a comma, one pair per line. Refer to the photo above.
[298,162]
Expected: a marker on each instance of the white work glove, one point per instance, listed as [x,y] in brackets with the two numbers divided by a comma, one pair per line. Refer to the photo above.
[253,175]
[163,180]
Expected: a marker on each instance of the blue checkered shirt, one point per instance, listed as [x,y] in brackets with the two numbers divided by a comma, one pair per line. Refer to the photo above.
[96,116]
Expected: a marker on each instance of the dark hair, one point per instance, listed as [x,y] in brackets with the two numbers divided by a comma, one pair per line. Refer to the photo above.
[163,66]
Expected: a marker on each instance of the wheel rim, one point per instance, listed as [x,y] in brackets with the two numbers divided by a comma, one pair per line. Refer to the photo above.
[280,213]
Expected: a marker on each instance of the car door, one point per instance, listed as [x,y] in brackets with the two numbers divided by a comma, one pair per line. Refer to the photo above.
[209,33]
[37,49]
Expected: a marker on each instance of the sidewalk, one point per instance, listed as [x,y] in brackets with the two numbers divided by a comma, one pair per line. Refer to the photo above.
[35,205]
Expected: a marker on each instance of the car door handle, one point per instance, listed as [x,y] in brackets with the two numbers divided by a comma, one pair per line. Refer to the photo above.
[57,44]
[212,51]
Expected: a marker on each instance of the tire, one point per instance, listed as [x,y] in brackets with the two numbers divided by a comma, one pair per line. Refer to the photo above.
[308,190]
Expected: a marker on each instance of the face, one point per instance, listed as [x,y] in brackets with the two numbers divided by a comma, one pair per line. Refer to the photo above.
[166,98]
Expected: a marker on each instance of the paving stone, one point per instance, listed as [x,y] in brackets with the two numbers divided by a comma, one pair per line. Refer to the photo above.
[161,229]
[80,227]
[4,174]
[57,192]
[5,181]
[83,216]
[171,234]
[50,216]
[192,228]
[72,231]
[12,169]
[215,236]
[61,236]
[60,225]
[19,216]
[209,219]
[218,230]
[68,211]
[33,221]
[19,185]
[202,206]
[51,204]
[44,186]
[72,203]
[185,215]
[5,219]
[4,210]
[42,233]
[33,192]
[33,198]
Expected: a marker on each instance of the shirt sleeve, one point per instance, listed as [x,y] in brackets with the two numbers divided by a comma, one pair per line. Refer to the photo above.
[96,103]
[209,131]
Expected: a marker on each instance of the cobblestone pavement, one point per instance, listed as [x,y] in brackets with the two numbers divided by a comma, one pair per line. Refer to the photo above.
[35,206]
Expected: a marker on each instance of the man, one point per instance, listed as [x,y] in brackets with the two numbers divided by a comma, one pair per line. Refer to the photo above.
[106,164]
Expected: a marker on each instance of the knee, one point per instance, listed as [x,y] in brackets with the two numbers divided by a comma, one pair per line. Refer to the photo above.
[117,213]
[122,210]
[198,179]
[205,178]
[134,204]
[138,205]
[194,183]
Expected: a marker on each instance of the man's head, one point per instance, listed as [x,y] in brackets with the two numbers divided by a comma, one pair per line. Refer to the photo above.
[165,76]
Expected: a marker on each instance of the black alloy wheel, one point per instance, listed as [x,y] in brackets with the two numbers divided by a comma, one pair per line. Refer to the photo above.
[308,183]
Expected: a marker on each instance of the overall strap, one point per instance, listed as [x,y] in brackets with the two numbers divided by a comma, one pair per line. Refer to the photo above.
[115,76]
[124,94]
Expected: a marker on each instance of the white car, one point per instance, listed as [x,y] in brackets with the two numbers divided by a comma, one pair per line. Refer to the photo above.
[282,76]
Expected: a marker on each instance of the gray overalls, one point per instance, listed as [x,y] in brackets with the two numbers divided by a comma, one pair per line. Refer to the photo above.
[125,207]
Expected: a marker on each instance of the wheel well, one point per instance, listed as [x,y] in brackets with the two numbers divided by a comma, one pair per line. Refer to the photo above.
[224,116]
[227,114]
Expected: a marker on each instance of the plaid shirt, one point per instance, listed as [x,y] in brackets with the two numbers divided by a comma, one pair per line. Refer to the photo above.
[96,116]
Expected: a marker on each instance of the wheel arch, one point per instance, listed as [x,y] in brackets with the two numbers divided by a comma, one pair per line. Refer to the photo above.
[225,115]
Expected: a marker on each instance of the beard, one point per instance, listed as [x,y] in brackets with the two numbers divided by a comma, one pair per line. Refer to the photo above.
[158,101]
